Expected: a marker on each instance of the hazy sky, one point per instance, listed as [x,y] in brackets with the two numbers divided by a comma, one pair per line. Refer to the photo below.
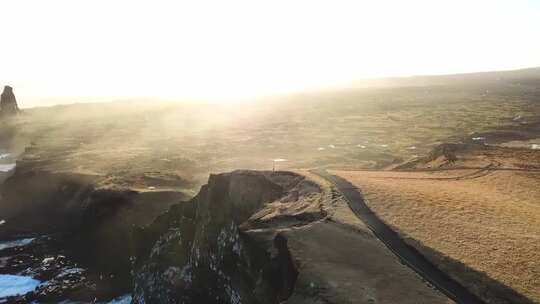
[242,48]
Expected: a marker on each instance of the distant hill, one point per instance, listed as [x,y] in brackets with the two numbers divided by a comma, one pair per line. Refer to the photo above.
[529,76]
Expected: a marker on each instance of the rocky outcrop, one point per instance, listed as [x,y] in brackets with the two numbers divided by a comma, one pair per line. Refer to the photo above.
[45,259]
[443,155]
[92,226]
[446,150]
[224,245]
[8,103]
[36,202]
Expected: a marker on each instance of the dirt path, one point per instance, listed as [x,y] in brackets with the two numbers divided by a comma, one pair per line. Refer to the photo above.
[408,255]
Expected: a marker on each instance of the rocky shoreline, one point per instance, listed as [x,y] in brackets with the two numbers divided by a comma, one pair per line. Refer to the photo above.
[200,251]
[54,271]
[246,237]
[69,236]
[59,235]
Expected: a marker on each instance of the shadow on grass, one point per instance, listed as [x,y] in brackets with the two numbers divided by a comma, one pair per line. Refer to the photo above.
[477,282]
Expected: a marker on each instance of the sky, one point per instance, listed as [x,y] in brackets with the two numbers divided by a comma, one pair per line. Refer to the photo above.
[62,49]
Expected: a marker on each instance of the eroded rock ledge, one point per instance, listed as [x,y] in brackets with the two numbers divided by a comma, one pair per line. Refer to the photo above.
[80,233]
[225,245]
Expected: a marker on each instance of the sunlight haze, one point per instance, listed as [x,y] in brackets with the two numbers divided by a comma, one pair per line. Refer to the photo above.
[230,49]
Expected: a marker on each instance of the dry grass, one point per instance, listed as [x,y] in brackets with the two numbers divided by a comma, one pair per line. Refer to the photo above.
[342,129]
[490,223]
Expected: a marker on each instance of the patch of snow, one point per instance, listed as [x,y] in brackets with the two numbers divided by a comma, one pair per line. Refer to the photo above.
[320,149]
[4,155]
[279,160]
[361,146]
[411,148]
[72,271]
[518,117]
[384,146]
[47,260]
[2,222]
[478,138]
[331,146]
[16,243]
[7,167]
[535,146]
[151,188]
[12,285]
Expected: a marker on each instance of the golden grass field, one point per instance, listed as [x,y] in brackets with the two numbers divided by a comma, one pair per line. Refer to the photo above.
[489,222]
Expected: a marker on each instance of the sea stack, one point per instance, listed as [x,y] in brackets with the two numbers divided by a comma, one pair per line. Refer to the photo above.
[8,103]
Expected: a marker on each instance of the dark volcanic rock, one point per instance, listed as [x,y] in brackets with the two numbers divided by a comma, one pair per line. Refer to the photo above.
[198,252]
[8,103]
[95,225]
[44,259]
[226,245]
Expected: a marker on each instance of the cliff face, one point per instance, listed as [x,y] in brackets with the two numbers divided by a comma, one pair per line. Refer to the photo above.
[76,225]
[223,246]
[8,103]
[247,237]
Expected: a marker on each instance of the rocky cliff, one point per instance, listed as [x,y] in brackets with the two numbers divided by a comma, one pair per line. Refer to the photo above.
[8,103]
[252,237]
[246,237]
[225,245]
[74,225]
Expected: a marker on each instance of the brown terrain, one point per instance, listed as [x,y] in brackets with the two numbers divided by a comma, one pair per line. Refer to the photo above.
[472,209]
[470,204]
[346,262]
[322,252]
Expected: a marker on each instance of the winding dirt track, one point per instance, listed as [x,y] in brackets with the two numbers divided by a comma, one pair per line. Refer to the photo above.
[407,254]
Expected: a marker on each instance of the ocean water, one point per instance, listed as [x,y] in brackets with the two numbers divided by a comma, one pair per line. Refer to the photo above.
[12,285]
[15,243]
[125,299]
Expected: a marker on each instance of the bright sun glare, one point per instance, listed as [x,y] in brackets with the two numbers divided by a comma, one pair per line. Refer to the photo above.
[215,49]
